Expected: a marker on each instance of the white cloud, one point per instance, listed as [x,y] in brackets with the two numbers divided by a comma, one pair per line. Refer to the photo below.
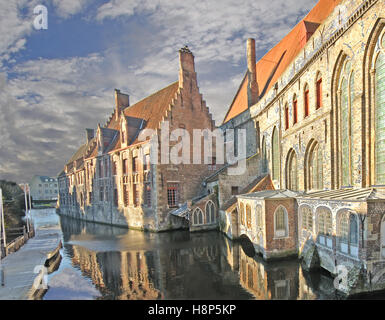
[67,8]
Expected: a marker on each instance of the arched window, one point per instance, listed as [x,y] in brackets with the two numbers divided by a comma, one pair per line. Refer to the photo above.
[241,213]
[295,110]
[197,217]
[324,221]
[264,155]
[210,212]
[318,91]
[306,100]
[248,216]
[291,171]
[314,167]
[307,218]
[275,154]
[345,102]
[347,232]
[380,117]
[286,116]
[281,228]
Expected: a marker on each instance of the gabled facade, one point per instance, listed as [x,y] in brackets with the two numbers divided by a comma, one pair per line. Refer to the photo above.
[113,178]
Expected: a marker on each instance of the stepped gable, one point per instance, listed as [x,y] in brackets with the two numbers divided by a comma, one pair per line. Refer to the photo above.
[275,62]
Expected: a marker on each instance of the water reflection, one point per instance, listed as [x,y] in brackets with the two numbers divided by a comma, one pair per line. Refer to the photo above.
[105,262]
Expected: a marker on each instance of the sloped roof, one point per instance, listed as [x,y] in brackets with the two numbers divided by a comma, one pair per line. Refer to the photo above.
[275,62]
[350,194]
[258,184]
[271,194]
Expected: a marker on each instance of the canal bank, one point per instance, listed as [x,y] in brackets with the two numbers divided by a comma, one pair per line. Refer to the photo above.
[24,271]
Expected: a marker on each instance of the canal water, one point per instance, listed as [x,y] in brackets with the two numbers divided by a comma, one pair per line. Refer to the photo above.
[105,262]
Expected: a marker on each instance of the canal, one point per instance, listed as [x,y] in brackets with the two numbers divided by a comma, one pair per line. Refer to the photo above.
[105,262]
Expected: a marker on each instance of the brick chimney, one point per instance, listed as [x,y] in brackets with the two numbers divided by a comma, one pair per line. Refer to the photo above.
[187,72]
[121,101]
[252,87]
[90,133]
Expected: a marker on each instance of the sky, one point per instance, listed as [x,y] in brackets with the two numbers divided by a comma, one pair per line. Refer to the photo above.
[54,83]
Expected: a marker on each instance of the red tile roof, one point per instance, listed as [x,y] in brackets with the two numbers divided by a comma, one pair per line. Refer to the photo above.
[281,55]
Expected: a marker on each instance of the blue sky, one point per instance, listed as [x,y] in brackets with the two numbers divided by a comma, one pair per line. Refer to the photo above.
[54,83]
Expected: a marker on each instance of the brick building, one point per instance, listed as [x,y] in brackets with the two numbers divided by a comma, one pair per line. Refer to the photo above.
[119,176]
[313,108]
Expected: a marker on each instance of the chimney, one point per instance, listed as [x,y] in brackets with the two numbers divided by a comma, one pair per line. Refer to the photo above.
[89,134]
[121,101]
[186,67]
[252,87]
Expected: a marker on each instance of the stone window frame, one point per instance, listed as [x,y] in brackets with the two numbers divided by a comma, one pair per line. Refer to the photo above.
[248,216]
[290,160]
[197,213]
[306,100]
[275,154]
[304,218]
[210,212]
[313,150]
[346,245]
[318,91]
[278,234]
[241,212]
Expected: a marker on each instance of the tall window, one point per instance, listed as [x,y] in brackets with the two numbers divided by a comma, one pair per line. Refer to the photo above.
[281,223]
[348,232]
[125,166]
[135,164]
[116,199]
[241,213]
[136,195]
[295,110]
[324,221]
[380,117]
[286,116]
[146,162]
[114,168]
[264,155]
[172,195]
[210,212]
[306,101]
[148,194]
[248,216]
[126,195]
[197,217]
[307,218]
[275,154]
[345,101]
[314,167]
[291,171]
[319,91]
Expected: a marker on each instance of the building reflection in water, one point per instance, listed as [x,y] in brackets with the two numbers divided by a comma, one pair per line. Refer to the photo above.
[127,264]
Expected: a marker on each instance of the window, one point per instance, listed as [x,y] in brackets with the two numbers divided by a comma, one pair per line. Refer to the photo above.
[172,195]
[126,195]
[100,168]
[248,216]
[306,101]
[241,213]
[348,232]
[114,168]
[197,217]
[280,223]
[286,117]
[146,165]
[307,218]
[234,191]
[210,212]
[106,167]
[148,194]
[314,167]
[101,194]
[136,195]
[380,118]
[295,110]
[324,221]
[291,171]
[125,166]
[275,154]
[135,164]
[319,92]
[116,199]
